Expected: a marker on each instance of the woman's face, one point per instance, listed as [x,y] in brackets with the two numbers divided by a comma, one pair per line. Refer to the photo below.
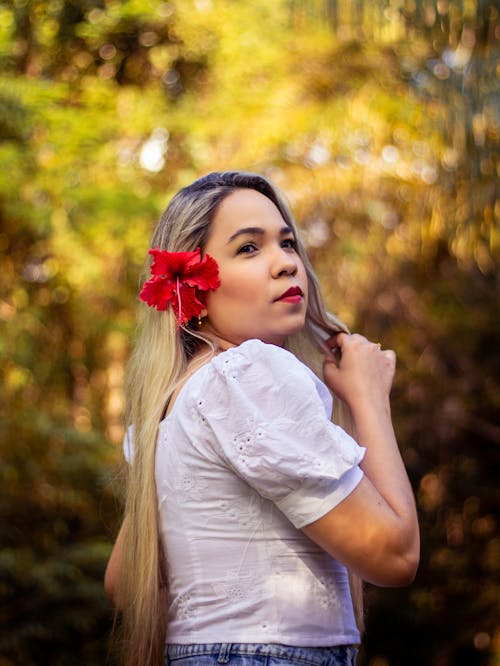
[263,290]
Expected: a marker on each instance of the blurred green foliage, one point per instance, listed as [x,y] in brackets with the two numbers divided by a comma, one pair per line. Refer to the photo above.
[381,121]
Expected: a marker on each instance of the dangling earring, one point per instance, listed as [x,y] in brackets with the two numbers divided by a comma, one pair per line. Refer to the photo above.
[199,321]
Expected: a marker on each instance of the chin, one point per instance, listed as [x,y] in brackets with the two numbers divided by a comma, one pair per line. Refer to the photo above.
[274,336]
[279,338]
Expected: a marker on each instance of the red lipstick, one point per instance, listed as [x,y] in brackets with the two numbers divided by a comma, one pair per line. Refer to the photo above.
[292,295]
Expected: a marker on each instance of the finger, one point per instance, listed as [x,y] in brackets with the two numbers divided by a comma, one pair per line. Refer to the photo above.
[332,340]
[390,356]
[340,338]
[356,341]
[332,355]
[333,344]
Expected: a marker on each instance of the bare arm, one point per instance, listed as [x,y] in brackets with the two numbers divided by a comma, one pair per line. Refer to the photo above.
[114,568]
[374,530]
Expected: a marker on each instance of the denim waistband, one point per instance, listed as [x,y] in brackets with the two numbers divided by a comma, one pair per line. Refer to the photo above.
[341,655]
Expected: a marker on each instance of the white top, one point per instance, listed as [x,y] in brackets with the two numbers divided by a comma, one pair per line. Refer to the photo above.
[247,455]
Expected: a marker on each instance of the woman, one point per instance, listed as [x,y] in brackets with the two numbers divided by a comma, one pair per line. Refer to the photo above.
[246,506]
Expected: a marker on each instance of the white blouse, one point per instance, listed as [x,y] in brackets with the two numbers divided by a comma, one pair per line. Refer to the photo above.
[246,457]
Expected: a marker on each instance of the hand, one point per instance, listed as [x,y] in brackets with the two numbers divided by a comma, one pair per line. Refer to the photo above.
[364,373]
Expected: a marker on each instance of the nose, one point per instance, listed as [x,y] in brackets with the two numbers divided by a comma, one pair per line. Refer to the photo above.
[285,263]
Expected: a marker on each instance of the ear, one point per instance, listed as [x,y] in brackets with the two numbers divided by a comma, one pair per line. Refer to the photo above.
[203,313]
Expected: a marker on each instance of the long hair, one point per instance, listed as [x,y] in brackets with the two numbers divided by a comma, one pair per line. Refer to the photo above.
[156,367]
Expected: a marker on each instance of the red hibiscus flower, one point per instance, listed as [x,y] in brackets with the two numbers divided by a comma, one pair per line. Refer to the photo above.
[179,280]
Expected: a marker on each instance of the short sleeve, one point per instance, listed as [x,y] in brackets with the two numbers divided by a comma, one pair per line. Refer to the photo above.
[266,415]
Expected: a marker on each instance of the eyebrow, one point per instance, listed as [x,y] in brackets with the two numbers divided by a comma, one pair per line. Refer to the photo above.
[252,231]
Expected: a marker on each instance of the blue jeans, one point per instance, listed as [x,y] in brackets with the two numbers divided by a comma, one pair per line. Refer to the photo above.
[258,654]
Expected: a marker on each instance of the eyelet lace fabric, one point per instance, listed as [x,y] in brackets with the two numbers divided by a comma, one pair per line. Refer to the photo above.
[245,458]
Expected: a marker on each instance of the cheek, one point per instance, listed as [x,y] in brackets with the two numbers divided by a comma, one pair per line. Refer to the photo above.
[235,297]
[235,301]
[304,280]
[228,297]
[237,285]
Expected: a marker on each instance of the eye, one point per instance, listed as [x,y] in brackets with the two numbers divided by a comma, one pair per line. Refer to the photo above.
[289,243]
[247,248]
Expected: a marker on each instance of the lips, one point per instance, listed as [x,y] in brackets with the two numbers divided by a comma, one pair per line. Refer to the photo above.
[293,291]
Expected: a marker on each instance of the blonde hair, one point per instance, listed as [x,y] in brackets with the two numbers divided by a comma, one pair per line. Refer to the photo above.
[159,360]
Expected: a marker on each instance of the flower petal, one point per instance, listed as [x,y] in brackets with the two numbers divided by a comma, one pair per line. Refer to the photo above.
[171,264]
[158,292]
[180,279]
[204,275]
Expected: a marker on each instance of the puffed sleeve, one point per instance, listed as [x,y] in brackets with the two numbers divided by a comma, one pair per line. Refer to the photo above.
[266,418]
